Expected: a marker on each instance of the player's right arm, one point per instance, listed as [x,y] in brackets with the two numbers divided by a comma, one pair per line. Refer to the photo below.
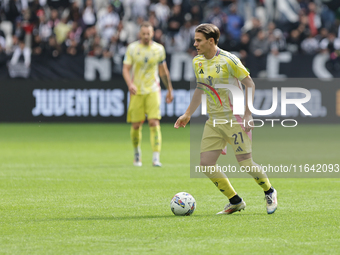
[127,65]
[183,120]
[127,78]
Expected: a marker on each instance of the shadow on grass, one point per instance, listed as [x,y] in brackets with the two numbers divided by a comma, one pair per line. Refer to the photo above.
[136,217]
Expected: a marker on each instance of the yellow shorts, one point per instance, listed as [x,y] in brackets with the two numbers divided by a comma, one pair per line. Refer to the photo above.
[216,138]
[141,105]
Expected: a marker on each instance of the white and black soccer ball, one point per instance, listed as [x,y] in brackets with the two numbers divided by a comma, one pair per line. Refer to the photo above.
[183,204]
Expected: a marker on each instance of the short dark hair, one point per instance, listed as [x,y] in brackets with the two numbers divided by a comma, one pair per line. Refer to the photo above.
[209,31]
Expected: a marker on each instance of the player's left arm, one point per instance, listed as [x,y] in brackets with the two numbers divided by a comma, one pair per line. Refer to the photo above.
[165,76]
[248,83]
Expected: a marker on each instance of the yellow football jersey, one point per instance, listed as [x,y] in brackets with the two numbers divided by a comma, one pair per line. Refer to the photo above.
[144,61]
[223,68]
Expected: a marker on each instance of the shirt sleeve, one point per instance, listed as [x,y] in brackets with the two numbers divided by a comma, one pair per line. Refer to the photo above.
[236,68]
[162,56]
[194,67]
[128,56]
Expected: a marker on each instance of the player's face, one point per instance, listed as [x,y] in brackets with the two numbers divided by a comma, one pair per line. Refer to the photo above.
[202,44]
[146,34]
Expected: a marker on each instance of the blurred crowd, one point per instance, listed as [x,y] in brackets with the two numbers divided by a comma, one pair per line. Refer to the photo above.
[103,28]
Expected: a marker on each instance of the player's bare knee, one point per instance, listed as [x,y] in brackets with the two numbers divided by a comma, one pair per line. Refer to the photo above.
[153,122]
[242,157]
[136,125]
[206,161]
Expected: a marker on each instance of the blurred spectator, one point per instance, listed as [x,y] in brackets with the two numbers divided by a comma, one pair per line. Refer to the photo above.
[294,41]
[97,48]
[88,39]
[327,17]
[323,34]
[44,29]
[330,44]
[162,12]
[75,12]
[310,45]
[277,42]
[183,39]
[175,21]
[89,16]
[284,12]
[108,23]
[218,18]
[159,37]
[19,30]
[152,19]
[70,45]
[37,45]
[314,20]
[2,40]
[61,30]
[54,19]
[117,45]
[243,47]
[196,13]
[140,8]
[19,66]
[3,55]
[246,6]
[270,29]
[76,31]
[259,46]
[132,29]
[256,27]
[119,7]
[13,10]
[235,23]
[53,49]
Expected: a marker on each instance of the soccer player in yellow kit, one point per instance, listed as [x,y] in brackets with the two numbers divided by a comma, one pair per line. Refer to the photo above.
[215,66]
[145,58]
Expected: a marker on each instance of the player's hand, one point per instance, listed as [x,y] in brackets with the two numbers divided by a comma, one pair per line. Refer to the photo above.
[182,121]
[169,96]
[133,89]
[248,119]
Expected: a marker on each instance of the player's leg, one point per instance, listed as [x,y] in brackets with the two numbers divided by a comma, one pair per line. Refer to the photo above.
[255,170]
[136,116]
[211,147]
[208,166]
[156,141]
[136,137]
[242,143]
[152,108]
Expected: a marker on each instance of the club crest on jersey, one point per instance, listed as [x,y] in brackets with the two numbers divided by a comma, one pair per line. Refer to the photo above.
[200,64]
[218,68]
[210,79]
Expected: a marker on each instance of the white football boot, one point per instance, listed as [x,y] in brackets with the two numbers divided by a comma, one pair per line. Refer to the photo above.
[137,161]
[271,200]
[230,208]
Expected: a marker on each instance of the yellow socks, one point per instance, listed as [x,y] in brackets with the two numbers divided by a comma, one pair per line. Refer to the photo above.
[156,138]
[220,180]
[136,137]
[256,172]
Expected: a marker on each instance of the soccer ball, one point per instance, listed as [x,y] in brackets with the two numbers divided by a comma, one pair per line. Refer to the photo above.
[183,204]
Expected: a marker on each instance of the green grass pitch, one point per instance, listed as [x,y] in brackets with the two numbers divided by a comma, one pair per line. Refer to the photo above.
[72,189]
